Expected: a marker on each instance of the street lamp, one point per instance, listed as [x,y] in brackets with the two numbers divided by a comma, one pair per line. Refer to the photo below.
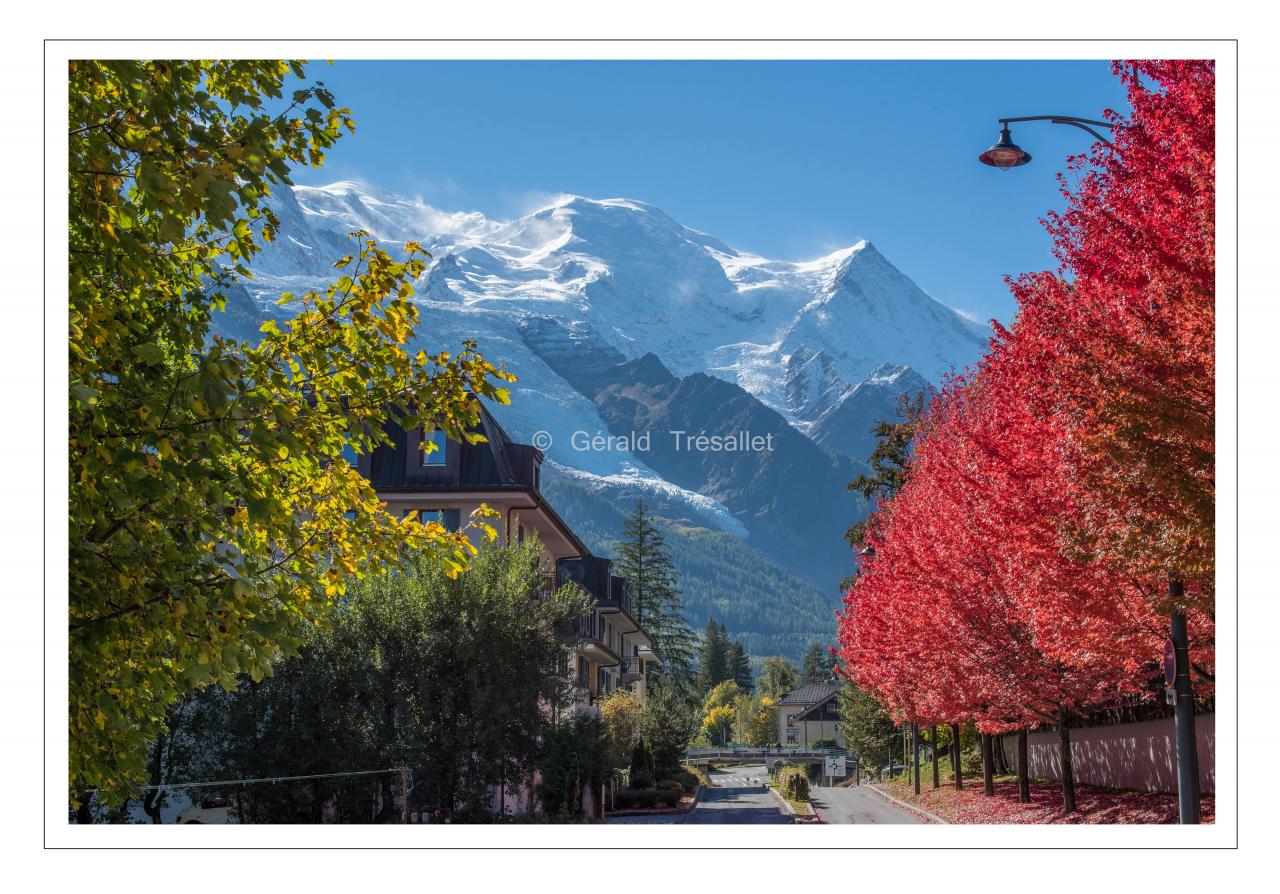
[1007,154]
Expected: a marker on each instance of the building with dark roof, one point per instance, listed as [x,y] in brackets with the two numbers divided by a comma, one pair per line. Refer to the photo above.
[809,714]
[450,482]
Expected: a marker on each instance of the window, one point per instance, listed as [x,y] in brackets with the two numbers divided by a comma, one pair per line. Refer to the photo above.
[450,518]
[350,455]
[435,457]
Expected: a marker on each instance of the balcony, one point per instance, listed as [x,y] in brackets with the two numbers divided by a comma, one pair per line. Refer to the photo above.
[548,586]
[587,630]
[585,701]
[632,669]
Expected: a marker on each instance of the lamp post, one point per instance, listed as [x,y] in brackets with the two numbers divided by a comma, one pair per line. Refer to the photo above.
[1006,155]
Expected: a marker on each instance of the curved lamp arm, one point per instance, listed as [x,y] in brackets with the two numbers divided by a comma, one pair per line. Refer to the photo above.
[1082,123]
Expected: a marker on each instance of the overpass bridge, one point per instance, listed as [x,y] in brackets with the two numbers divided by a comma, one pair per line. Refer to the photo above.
[773,758]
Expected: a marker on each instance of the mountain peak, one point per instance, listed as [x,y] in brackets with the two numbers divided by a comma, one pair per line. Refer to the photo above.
[575,202]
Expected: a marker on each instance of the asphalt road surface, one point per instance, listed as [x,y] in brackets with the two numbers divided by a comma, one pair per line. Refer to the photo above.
[733,800]
[857,805]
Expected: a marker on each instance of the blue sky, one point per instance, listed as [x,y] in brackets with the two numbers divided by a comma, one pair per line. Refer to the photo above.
[788,159]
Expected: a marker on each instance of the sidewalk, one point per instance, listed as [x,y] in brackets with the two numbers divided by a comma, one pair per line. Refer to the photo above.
[1093,805]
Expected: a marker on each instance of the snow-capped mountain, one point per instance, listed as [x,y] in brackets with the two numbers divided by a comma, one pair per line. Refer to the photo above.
[795,334]
[563,295]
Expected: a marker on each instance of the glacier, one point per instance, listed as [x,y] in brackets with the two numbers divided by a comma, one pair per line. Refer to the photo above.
[614,280]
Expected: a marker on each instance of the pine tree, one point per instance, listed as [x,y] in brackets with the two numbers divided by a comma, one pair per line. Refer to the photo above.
[740,667]
[888,460]
[817,665]
[713,657]
[655,595]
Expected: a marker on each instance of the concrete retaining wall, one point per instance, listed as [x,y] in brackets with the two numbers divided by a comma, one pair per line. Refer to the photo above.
[1137,756]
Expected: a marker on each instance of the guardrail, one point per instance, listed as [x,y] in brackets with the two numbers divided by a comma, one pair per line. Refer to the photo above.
[784,753]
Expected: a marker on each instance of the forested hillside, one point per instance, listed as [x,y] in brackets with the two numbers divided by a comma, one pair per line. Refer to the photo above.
[771,611]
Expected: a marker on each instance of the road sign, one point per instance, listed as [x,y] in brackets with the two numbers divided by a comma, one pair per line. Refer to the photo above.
[1170,663]
[834,765]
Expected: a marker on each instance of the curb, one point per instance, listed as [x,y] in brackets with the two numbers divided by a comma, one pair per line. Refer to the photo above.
[801,818]
[932,817]
[777,796]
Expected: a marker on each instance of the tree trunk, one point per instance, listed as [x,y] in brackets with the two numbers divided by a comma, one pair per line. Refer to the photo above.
[933,747]
[955,755]
[154,797]
[988,770]
[1024,779]
[1002,763]
[1064,755]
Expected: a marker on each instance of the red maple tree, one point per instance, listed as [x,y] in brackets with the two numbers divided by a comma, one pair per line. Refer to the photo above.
[1016,578]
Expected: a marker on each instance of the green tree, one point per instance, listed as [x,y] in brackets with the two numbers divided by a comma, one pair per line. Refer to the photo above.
[740,667]
[868,730]
[668,723]
[574,759]
[713,657]
[209,509]
[642,775]
[644,561]
[888,460]
[451,677]
[817,664]
[777,677]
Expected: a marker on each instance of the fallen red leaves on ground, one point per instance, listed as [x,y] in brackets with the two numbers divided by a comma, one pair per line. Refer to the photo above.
[1094,805]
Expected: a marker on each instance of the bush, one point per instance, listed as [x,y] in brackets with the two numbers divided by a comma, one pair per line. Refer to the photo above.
[637,798]
[665,795]
[697,777]
[684,776]
[641,778]
[793,783]
[673,787]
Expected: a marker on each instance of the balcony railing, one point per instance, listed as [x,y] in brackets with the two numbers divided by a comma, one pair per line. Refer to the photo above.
[548,588]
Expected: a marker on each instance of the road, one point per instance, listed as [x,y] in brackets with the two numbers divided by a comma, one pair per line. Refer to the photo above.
[733,800]
[857,805]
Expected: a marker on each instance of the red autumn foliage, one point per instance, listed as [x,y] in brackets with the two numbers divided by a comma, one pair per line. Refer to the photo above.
[1017,575]
[1123,336]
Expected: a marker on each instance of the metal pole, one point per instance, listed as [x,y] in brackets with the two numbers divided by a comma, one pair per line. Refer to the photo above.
[1184,716]
[915,757]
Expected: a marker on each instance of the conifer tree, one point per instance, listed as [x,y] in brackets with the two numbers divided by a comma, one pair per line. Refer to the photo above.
[817,664]
[646,564]
[740,667]
[713,657]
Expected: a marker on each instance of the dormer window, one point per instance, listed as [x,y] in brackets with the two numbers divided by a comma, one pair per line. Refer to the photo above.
[437,456]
